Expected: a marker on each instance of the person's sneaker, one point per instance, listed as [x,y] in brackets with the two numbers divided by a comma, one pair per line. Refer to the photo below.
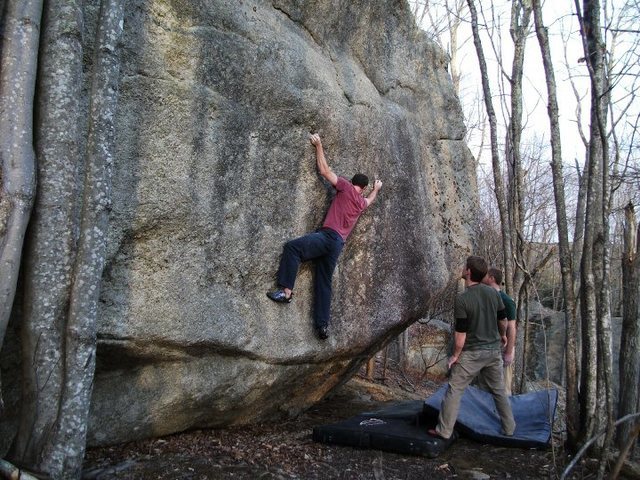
[434,433]
[279,296]
[445,442]
[322,332]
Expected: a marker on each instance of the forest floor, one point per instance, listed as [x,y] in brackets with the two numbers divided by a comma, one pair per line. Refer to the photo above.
[285,450]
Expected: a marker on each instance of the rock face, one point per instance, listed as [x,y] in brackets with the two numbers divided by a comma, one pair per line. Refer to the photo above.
[546,349]
[214,172]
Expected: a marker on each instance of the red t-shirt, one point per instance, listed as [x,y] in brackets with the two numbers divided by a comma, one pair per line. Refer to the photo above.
[345,209]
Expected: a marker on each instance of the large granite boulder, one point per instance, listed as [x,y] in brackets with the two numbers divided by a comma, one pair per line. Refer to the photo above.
[214,172]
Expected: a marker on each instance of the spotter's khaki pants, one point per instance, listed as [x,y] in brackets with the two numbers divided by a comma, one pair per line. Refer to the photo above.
[469,365]
[507,371]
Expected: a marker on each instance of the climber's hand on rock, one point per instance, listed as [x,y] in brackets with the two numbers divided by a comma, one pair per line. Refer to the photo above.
[315,139]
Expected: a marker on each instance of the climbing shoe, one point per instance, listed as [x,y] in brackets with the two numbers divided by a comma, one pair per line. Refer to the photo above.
[279,296]
[322,332]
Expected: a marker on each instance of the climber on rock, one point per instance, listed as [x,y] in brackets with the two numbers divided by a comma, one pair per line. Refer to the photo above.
[325,244]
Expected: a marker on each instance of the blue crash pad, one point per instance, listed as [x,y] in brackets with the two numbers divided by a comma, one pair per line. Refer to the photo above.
[478,418]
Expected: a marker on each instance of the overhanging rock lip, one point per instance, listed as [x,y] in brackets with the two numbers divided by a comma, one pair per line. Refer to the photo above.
[117,353]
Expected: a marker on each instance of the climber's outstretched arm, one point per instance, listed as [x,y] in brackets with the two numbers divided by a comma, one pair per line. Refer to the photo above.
[321,161]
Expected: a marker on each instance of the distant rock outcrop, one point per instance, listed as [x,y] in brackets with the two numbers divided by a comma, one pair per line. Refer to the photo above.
[546,349]
[214,171]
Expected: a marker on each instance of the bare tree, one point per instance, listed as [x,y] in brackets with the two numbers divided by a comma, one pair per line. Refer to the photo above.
[581,174]
[488,222]
[444,21]
[573,419]
[495,155]
[595,308]
[516,205]
[520,282]
[519,30]
[441,20]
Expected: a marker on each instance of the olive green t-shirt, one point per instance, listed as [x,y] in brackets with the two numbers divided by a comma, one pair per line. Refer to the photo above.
[479,305]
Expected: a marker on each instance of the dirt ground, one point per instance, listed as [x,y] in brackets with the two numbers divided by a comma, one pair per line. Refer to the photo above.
[285,450]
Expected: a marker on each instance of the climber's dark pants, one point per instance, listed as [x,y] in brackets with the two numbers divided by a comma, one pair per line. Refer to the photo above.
[323,247]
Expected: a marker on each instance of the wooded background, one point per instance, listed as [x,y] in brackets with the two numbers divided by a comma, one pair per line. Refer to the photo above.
[566,221]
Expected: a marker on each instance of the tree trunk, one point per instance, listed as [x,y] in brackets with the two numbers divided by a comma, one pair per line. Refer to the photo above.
[596,252]
[578,232]
[519,30]
[80,332]
[524,326]
[600,84]
[400,349]
[58,448]
[588,294]
[495,160]
[588,374]
[571,350]
[630,341]
[18,67]
[89,265]
[53,235]
[371,368]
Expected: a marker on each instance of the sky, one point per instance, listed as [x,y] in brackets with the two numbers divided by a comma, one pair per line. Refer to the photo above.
[567,54]
[565,42]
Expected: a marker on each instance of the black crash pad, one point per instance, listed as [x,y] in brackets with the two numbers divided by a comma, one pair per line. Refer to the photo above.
[399,428]
[478,418]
